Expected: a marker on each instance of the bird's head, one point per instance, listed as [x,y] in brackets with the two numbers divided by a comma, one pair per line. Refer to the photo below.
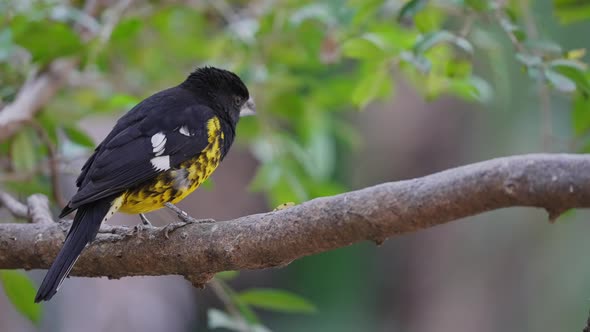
[223,91]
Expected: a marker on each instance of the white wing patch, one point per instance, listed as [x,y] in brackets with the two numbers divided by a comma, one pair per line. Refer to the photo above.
[158,143]
[184,130]
[161,163]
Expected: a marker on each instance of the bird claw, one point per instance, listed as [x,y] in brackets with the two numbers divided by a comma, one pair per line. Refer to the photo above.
[144,220]
[184,217]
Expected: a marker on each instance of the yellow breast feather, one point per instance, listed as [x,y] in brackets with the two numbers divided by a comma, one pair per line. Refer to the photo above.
[175,184]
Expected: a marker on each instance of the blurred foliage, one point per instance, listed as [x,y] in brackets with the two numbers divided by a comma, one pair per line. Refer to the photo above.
[307,63]
[20,290]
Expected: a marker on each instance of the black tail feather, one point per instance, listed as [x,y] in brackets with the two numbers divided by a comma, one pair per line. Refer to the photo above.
[84,229]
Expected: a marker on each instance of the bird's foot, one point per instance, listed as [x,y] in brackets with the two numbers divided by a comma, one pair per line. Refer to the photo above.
[184,217]
[145,223]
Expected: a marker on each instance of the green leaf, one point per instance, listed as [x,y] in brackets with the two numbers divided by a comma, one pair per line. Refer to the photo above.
[218,319]
[410,9]
[471,89]
[581,115]
[227,275]
[369,46]
[78,136]
[574,70]
[432,39]
[121,101]
[529,60]
[418,61]
[478,5]
[547,47]
[570,11]
[20,290]
[276,300]
[371,85]
[24,154]
[559,81]
[513,29]
[46,40]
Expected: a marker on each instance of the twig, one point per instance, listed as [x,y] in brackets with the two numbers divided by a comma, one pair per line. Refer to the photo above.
[544,91]
[547,115]
[53,162]
[33,95]
[467,25]
[15,207]
[225,10]
[221,291]
[38,206]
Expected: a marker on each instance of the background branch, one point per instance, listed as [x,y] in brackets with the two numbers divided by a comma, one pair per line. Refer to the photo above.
[554,182]
[33,95]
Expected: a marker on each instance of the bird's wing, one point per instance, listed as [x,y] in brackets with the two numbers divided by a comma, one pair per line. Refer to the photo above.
[156,142]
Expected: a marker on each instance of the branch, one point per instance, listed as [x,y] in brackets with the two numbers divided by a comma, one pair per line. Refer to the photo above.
[33,95]
[554,182]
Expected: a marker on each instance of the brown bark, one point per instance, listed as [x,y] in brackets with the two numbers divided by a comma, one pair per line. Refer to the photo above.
[554,182]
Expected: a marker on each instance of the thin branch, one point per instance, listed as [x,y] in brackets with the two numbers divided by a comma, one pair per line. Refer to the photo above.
[33,95]
[53,162]
[221,291]
[38,209]
[554,182]
[15,207]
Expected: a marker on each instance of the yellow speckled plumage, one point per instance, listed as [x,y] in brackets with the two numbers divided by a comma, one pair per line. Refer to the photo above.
[175,184]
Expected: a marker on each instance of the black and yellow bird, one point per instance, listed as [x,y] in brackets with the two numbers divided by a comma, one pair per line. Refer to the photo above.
[157,153]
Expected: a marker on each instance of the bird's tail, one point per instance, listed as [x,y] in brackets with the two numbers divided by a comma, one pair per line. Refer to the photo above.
[84,229]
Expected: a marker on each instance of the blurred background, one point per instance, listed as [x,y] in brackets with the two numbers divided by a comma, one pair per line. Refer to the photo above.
[349,94]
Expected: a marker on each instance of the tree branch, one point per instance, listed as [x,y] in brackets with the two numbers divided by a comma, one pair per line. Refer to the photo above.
[33,95]
[554,182]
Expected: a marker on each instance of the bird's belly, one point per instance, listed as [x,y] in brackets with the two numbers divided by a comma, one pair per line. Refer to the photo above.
[173,185]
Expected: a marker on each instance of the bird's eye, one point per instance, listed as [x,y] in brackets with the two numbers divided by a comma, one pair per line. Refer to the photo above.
[237,101]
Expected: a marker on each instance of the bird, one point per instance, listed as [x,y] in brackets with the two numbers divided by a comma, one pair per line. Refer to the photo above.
[156,154]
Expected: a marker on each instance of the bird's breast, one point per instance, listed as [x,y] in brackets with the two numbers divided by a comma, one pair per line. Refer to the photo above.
[175,184]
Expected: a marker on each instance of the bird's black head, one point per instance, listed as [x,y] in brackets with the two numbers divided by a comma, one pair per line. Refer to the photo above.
[222,90]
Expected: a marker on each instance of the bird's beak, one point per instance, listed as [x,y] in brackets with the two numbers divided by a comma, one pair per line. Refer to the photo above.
[249,108]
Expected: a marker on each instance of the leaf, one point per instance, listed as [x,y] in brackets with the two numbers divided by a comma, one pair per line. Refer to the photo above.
[418,61]
[574,70]
[569,11]
[370,86]
[547,47]
[316,11]
[24,156]
[529,60]
[227,275]
[20,290]
[121,101]
[432,39]
[78,136]
[46,40]
[471,89]
[513,29]
[218,319]
[576,54]
[276,300]
[369,46]
[478,5]
[581,115]
[410,9]
[559,81]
